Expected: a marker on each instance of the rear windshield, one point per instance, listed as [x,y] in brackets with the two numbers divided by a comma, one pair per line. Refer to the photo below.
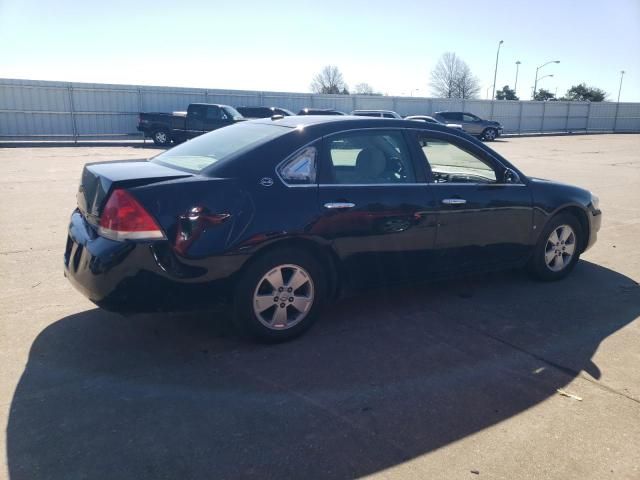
[202,152]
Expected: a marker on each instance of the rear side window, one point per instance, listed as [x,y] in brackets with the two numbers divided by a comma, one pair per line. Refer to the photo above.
[301,168]
[204,151]
[360,158]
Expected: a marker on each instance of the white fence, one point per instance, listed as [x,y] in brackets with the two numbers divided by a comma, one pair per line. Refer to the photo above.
[32,109]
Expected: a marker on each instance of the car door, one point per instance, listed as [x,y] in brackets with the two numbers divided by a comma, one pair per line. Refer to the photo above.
[471,124]
[376,211]
[195,120]
[483,219]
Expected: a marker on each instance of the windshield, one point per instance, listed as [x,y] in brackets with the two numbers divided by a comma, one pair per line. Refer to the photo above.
[236,115]
[202,152]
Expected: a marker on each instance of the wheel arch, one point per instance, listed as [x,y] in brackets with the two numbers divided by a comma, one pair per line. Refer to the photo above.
[325,254]
[580,214]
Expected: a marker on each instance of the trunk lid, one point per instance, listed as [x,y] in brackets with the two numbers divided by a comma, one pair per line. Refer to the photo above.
[99,179]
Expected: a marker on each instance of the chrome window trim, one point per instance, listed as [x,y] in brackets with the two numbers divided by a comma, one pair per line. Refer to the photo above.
[373,184]
[289,157]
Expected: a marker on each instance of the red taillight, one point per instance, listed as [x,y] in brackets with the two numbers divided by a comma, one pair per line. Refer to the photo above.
[123,218]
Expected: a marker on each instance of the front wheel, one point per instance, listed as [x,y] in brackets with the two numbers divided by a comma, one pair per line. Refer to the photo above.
[558,248]
[489,134]
[278,296]
[161,138]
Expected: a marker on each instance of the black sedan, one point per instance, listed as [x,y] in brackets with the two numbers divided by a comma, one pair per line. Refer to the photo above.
[279,215]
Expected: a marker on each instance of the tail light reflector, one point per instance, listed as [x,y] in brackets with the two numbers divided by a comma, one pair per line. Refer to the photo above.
[123,218]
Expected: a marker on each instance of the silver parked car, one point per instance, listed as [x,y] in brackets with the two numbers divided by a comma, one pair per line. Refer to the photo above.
[376,113]
[472,124]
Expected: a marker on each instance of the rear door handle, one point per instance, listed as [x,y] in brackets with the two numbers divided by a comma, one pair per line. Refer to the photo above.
[454,201]
[339,205]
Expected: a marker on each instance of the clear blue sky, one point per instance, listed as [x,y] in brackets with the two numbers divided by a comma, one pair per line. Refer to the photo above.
[279,45]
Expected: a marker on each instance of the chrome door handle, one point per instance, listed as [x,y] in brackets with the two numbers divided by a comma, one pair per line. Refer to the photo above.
[339,205]
[454,201]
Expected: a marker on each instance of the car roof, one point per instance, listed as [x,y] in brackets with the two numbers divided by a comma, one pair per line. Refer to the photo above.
[211,104]
[377,111]
[347,122]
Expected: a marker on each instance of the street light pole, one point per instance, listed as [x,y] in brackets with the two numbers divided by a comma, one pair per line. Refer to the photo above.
[540,79]
[535,84]
[495,73]
[515,87]
[620,89]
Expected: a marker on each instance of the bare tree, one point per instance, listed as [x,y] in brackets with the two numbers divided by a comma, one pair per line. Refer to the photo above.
[467,84]
[452,78]
[363,89]
[329,80]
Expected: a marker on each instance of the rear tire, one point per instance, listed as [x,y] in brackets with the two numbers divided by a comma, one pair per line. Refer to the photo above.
[278,297]
[161,138]
[558,248]
[489,134]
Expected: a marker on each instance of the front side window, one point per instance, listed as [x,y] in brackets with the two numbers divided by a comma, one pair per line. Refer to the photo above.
[380,157]
[214,113]
[301,168]
[469,118]
[452,164]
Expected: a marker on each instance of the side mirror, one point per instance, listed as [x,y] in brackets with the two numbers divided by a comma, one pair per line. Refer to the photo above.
[511,177]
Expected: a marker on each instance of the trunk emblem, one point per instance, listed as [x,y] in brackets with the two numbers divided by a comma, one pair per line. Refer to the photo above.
[266,181]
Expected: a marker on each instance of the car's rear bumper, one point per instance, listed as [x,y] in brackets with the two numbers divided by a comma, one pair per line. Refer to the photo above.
[140,276]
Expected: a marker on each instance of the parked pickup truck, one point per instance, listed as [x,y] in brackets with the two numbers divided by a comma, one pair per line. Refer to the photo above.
[180,126]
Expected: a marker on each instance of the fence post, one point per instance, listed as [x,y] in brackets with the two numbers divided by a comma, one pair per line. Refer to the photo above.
[144,135]
[354,103]
[395,104]
[520,118]
[544,112]
[492,106]
[588,117]
[566,118]
[73,114]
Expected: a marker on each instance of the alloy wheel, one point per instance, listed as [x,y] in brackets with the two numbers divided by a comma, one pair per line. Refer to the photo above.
[283,297]
[560,248]
[161,137]
[490,134]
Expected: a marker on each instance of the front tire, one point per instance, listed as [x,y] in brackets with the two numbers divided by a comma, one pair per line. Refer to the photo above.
[278,297]
[489,134]
[558,248]
[161,138]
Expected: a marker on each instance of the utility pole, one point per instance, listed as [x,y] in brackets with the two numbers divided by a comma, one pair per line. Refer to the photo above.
[620,89]
[495,72]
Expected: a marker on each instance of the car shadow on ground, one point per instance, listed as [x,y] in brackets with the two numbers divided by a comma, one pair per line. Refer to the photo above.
[385,376]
